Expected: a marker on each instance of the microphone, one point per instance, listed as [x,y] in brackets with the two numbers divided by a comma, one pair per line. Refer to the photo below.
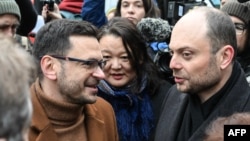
[242,1]
[154,29]
[156,33]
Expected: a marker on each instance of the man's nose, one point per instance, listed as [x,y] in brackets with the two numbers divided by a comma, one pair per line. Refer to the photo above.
[174,63]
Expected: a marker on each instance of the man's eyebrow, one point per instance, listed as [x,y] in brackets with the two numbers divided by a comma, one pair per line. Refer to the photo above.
[7,24]
[181,48]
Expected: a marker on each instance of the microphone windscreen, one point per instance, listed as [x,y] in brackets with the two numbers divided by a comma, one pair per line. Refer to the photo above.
[154,29]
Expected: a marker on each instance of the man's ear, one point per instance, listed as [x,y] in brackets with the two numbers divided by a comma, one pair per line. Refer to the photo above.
[49,68]
[226,56]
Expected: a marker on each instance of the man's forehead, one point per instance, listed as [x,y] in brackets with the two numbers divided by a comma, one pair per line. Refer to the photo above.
[191,23]
[190,31]
[192,18]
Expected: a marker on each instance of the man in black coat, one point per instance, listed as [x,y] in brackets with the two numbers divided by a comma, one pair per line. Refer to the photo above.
[209,81]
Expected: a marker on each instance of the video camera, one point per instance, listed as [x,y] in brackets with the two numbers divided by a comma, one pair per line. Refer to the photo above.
[162,60]
[175,9]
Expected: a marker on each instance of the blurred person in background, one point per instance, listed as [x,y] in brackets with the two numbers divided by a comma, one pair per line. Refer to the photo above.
[15,105]
[10,17]
[29,17]
[215,131]
[12,25]
[134,10]
[240,15]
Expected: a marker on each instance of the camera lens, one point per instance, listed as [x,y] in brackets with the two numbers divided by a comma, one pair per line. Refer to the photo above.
[162,61]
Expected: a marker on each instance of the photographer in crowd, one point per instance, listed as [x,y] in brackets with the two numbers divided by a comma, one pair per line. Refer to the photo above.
[215,131]
[134,10]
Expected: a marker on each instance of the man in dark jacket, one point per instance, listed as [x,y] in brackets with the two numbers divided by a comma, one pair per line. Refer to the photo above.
[209,82]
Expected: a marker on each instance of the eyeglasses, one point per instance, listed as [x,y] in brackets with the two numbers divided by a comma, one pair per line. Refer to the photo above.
[88,63]
[239,28]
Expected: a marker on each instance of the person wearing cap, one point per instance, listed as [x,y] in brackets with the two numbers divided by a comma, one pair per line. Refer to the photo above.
[10,17]
[11,23]
[240,15]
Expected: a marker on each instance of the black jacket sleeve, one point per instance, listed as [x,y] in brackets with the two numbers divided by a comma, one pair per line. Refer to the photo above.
[29,17]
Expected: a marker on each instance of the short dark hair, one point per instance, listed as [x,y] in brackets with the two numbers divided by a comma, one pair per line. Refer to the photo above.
[53,38]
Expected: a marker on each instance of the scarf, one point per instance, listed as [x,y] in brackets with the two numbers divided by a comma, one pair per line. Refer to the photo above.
[133,112]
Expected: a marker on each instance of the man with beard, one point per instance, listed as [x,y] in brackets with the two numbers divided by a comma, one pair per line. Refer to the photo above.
[64,96]
[209,81]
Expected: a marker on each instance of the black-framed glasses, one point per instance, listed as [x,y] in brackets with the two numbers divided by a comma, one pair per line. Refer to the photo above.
[239,28]
[88,63]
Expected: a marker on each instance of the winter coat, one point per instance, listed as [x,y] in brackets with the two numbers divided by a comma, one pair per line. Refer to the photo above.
[157,102]
[175,104]
[100,122]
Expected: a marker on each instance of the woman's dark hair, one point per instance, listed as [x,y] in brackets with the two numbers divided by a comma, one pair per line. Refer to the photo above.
[150,7]
[136,49]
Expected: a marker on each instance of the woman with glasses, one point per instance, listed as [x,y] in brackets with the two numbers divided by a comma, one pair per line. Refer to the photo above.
[240,15]
[131,84]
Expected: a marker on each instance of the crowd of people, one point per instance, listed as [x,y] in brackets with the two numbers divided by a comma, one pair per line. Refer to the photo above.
[84,75]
